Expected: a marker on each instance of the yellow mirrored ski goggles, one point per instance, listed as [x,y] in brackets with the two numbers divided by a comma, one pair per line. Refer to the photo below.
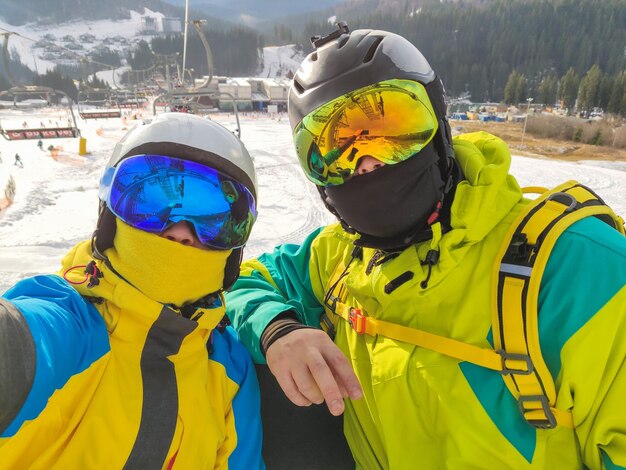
[389,121]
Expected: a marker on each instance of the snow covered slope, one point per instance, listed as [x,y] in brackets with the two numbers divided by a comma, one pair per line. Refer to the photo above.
[56,201]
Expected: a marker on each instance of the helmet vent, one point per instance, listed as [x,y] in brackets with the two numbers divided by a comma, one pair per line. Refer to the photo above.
[314,56]
[372,50]
[299,88]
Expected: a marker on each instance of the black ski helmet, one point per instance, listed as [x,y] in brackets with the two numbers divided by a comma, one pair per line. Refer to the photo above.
[345,60]
[187,137]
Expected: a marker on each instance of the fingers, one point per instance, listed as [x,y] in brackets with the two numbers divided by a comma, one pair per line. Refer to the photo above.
[344,374]
[291,390]
[327,385]
[310,368]
[307,385]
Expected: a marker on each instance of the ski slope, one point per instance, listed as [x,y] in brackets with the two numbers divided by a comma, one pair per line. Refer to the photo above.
[56,201]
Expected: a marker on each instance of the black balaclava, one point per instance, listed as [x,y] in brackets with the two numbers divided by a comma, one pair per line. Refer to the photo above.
[392,202]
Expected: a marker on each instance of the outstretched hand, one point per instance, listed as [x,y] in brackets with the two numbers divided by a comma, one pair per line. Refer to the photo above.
[310,368]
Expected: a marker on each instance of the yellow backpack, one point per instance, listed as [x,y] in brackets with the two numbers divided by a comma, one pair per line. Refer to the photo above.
[517,274]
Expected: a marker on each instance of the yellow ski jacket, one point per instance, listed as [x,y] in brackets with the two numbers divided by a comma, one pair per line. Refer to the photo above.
[124,382]
[425,410]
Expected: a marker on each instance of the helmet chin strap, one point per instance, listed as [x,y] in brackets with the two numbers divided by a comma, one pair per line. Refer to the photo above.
[447,155]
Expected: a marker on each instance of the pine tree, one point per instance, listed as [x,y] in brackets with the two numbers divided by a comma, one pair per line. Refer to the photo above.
[589,89]
[510,90]
[617,100]
[569,88]
[547,90]
[521,89]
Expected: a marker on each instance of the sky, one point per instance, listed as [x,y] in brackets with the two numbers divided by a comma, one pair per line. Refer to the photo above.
[56,201]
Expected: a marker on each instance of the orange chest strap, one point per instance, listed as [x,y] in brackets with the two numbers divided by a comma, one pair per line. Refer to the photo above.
[536,409]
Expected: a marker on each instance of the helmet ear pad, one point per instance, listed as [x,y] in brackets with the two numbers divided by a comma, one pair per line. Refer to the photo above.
[103,236]
[231,271]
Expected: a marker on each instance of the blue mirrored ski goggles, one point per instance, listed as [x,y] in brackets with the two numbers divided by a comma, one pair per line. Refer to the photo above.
[153,192]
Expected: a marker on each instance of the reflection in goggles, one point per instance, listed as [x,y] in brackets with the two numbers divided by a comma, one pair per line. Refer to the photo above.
[389,121]
[152,192]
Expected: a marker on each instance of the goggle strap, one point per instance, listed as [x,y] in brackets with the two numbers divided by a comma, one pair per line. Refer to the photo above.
[436,95]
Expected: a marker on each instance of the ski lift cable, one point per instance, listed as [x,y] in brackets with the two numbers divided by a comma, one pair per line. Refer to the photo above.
[182,78]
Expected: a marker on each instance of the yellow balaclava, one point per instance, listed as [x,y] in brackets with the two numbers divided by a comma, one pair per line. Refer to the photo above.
[164,270]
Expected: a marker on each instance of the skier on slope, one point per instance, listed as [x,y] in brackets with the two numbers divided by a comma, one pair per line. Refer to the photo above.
[407,271]
[123,358]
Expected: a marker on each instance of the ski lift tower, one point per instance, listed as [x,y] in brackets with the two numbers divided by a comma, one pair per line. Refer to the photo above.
[177,96]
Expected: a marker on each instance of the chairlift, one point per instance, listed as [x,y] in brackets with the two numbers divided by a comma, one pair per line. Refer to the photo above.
[97,103]
[189,101]
[34,98]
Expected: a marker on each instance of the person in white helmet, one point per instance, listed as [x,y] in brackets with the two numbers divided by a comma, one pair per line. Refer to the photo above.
[124,358]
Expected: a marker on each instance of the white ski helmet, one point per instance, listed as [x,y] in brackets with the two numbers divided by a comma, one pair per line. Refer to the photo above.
[187,137]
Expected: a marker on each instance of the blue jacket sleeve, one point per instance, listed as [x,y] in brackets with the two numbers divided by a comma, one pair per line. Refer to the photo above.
[67,333]
[246,404]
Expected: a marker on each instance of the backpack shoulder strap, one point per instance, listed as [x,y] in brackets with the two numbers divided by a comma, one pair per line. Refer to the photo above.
[517,275]
[336,293]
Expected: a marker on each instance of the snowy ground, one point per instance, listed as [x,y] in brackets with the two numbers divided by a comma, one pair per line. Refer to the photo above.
[32,56]
[56,201]
[279,60]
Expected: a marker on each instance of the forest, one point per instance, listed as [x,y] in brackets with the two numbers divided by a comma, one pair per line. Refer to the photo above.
[509,51]
[567,51]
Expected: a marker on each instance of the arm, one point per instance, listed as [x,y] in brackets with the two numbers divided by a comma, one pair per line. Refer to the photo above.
[598,385]
[306,363]
[17,362]
[47,334]
[269,286]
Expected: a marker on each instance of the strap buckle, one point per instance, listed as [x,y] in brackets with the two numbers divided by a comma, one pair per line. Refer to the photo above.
[548,421]
[357,320]
[519,247]
[515,357]
[564,198]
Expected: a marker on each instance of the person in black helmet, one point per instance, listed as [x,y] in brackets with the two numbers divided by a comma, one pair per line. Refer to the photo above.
[124,358]
[387,315]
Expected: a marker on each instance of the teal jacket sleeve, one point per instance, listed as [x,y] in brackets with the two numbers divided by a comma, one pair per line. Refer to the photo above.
[48,333]
[269,285]
[582,327]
